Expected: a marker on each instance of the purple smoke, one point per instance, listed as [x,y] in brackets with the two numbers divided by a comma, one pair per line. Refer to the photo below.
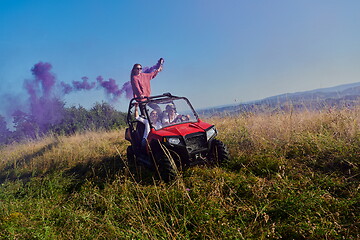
[84,85]
[77,86]
[127,88]
[110,87]
[45,109]
[42,74]
[66,88]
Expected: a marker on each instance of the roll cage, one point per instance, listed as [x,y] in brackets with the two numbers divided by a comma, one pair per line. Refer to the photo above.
[151,103]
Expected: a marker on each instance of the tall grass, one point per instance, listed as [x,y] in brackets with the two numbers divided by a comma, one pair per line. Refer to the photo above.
[291,176]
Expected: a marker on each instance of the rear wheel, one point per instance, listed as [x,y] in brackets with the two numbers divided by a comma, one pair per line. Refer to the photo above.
[219,153]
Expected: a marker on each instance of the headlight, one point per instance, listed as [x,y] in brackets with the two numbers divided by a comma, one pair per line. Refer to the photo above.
[210,133]
[173,140]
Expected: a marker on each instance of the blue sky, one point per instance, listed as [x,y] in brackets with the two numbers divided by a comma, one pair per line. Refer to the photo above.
[216,52]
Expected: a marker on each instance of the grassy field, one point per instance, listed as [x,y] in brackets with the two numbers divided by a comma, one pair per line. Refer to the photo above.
[291,176]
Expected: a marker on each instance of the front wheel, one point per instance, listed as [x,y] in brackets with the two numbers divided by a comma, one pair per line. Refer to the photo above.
[167,168]
[219,153]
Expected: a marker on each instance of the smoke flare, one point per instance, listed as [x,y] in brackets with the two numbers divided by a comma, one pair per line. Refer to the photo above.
[44,107]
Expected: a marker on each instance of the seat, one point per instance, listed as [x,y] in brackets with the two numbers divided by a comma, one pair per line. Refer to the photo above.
[137,134]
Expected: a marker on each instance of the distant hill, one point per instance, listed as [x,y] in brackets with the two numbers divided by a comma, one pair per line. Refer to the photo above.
[346,95]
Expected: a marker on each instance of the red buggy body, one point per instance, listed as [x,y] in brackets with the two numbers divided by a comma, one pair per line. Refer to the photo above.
[172,143]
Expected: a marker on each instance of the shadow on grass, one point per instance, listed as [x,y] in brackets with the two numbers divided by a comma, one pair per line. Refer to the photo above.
[99,172]
[14,170]
[142,174]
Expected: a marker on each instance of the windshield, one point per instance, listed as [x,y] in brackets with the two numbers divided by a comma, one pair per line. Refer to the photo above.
[165,113]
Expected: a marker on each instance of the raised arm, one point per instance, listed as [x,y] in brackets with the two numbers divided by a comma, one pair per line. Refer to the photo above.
[155,67]
[136,113]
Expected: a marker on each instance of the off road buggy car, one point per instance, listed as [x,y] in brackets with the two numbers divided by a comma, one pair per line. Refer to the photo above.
[171,144]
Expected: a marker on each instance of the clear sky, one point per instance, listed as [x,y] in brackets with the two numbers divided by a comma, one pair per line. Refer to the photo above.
[216,52]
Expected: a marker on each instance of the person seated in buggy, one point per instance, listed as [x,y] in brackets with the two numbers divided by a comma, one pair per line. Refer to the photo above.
[155,121]
[171,116]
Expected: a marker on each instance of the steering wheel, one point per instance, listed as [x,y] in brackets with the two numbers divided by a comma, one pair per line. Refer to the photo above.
[184,118]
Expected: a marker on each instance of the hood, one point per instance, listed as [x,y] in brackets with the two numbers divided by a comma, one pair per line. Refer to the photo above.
[184,129]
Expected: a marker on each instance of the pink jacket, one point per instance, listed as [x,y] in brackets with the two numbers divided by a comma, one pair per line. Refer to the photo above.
[141,84]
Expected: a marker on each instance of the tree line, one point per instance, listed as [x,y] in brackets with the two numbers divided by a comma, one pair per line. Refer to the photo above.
[68,120]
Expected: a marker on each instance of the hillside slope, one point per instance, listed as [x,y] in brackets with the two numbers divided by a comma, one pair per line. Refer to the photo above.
[347,95]
[291,176]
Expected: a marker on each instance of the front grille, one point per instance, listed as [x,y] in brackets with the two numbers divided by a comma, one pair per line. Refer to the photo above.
[195,142]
